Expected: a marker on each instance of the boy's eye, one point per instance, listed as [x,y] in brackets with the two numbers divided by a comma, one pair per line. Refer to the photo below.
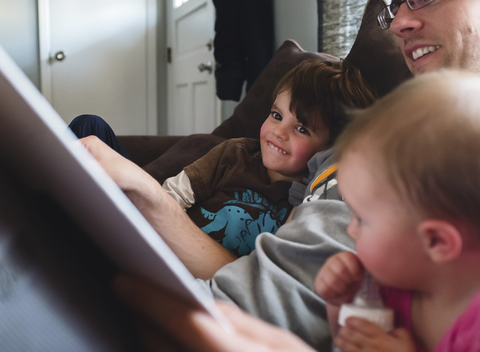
[303,130]
[276,116]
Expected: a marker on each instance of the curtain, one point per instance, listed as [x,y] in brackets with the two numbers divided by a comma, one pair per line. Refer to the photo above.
[338,21]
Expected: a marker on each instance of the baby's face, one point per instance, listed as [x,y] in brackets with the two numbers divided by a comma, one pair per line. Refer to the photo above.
[383,225]
[286,144]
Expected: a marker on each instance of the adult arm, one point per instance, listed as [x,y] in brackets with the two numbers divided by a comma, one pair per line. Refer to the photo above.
[198,331]
[202,255]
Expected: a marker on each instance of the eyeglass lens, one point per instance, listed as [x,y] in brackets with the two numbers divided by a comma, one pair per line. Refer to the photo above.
[386,16]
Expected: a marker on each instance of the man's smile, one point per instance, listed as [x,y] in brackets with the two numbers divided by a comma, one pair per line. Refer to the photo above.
[418,53]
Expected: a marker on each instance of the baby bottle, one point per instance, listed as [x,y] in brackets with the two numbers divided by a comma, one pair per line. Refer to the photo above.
[368,305]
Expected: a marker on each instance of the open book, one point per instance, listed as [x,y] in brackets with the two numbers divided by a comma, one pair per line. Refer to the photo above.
[46,177]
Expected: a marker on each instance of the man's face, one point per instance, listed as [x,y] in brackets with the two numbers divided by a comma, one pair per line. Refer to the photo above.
[444,34]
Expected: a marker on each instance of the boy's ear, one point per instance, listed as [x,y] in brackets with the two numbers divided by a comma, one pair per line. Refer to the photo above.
[441,239]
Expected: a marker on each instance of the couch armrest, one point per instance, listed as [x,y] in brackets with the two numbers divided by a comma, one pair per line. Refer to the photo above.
[144,149]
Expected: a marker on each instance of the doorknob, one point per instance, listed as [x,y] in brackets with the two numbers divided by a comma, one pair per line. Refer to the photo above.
[60,56]
[210,45]
[206,67]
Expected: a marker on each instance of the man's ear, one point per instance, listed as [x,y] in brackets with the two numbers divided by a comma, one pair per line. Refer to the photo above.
[442,240]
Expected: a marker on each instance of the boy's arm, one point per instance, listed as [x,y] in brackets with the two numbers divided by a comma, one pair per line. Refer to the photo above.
[202,255]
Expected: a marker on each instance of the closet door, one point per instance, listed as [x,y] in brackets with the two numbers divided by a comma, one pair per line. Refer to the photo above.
[98,57]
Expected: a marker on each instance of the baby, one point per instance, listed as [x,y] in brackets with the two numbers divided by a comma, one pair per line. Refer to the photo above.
[409,169]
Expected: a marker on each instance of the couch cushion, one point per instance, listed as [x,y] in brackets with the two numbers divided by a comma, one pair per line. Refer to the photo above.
[181,154]
[376,52]
[252,111]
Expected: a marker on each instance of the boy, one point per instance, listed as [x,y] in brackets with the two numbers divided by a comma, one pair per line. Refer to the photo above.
[240,188]
[417,229]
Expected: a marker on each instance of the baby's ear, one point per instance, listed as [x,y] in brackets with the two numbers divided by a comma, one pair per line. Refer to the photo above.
[441,239]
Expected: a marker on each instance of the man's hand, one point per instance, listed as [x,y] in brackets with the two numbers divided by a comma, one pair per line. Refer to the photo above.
[362,335]
[197,330]
[339,278]
[126,174]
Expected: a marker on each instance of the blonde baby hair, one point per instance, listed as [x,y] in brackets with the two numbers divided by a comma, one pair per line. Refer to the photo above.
[425,137]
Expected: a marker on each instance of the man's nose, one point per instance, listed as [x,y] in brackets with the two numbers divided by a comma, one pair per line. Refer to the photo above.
[406,21]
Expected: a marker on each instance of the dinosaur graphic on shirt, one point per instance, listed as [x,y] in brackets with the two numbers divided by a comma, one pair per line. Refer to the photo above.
[236,229]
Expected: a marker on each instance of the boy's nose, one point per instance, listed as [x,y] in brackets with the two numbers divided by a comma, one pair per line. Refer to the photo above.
[281,131]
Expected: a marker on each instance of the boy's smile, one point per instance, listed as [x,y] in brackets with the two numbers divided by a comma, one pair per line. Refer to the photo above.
[286,144]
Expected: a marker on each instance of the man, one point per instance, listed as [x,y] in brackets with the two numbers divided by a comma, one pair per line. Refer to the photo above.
[449,26]
[432,35]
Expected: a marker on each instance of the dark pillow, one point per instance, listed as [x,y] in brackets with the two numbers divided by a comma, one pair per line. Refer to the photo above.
[252,111]
[377,54]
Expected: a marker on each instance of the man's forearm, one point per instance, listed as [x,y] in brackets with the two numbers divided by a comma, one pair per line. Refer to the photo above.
[202,255]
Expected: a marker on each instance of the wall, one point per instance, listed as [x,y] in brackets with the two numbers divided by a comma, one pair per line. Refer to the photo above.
[19,33]
[298,20]
[294,19]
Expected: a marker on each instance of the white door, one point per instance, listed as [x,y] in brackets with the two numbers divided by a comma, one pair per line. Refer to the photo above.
[98,57]
[192,103]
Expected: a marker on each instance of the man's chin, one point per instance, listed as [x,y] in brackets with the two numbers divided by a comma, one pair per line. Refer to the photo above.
[425,68]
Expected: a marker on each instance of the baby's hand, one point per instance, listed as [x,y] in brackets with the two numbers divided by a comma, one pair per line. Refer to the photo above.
[339,278]
[362,335]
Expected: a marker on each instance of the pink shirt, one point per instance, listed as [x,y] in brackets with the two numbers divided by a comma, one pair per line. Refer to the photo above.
[462,336]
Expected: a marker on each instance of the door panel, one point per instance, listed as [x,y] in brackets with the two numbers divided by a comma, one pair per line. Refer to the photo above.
[191,92]
[105,69]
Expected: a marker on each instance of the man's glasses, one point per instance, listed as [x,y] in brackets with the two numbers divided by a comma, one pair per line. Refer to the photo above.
[386,16]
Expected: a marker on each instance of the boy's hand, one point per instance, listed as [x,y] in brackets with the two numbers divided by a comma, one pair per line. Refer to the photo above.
[339,278]
[362,335]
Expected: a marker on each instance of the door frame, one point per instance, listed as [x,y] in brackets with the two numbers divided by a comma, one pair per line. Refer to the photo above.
[45,55]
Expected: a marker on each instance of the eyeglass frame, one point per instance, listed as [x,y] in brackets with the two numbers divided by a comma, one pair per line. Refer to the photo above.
[384,23]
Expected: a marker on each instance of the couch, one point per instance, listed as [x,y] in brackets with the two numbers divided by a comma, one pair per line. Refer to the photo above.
[375,52]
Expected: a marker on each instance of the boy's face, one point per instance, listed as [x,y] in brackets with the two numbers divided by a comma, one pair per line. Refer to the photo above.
[286,144]
[382,225]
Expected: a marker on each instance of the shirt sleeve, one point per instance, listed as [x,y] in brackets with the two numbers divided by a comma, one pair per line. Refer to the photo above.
[206,172]
[180,188]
